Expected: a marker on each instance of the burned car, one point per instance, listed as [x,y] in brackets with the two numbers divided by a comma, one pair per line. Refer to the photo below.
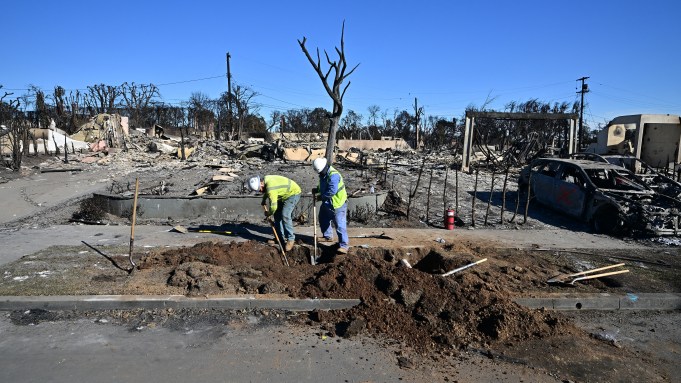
[657,181]
[611,198]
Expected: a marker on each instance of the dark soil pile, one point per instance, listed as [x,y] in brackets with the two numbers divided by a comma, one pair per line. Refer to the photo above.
[416,306]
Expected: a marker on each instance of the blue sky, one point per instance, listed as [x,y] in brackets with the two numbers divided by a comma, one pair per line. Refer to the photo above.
[447,54]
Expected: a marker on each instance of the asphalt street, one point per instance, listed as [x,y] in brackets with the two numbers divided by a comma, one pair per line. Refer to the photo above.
[98,351]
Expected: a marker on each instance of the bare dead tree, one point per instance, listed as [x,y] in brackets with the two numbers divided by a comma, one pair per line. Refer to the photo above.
[18,131]
[334,91]
[412,193]
[42,113]
[137,99]
[101,98]
[517,206]
[56,145]
[243,97]
[182,156]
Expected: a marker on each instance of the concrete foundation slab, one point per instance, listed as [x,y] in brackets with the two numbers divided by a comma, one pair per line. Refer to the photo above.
[228,208]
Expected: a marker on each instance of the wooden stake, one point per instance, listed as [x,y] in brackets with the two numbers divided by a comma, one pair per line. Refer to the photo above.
[475,196]
[503,197]
[430,182]
[444,190]
[527,203]
[132,228]
[456,190]
[489,200]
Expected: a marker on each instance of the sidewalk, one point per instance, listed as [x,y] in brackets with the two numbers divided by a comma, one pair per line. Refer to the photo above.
[16,244]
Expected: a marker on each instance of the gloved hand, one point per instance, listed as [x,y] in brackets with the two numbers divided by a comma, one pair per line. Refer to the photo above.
[315,191]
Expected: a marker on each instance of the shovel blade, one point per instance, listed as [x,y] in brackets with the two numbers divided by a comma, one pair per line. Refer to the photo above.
[560,278]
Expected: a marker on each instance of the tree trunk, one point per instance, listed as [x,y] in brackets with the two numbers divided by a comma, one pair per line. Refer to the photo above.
[331,141]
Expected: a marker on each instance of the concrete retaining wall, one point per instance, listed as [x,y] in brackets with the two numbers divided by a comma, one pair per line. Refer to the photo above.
[228,208]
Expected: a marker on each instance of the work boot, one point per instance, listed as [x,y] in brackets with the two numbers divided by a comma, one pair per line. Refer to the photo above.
[325,240]
[342,250]
[289,245]
[271,242]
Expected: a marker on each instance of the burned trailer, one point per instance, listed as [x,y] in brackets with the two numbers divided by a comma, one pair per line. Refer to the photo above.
[612,199]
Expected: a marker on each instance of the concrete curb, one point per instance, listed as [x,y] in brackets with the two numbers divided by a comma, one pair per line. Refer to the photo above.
[128,302]
[559,302]
[644,301]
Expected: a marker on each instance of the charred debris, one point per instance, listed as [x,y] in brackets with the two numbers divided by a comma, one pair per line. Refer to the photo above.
[502,183]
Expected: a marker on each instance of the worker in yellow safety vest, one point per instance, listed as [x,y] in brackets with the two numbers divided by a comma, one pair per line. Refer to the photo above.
[334,208]
[283,195]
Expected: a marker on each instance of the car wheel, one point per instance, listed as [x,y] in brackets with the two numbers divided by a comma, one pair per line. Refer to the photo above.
[607,220]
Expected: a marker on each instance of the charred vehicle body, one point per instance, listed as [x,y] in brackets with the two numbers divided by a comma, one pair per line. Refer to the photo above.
[611,198]
[657,181]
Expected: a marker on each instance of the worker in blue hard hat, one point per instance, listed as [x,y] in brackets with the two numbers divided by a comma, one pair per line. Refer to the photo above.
[334,208]
[283,194]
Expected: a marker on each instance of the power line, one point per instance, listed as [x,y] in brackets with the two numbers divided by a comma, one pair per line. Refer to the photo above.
[632,101]
[632,92]
[195,80]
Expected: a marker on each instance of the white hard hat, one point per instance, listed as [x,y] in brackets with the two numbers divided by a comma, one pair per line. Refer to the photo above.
[254,183]
[319,164]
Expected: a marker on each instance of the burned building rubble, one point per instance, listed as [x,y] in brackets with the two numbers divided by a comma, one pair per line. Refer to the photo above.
[428,182]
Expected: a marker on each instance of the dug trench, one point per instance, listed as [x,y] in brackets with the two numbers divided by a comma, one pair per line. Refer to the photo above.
[430,316]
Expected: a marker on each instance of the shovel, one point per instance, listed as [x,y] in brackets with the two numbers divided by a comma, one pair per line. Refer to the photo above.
[313,259]
[276,237]
[570,279]
[185,230]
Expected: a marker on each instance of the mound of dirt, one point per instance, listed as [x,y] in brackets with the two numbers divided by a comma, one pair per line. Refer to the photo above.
[415,306]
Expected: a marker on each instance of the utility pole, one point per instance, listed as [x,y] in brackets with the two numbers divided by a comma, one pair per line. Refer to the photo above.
[585,89]
[418,118]
[229,97]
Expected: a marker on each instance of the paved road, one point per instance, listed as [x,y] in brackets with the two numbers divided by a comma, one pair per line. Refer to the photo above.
[89,351]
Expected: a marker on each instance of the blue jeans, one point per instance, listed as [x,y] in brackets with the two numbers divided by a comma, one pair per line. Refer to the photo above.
[327,215]
[282,218]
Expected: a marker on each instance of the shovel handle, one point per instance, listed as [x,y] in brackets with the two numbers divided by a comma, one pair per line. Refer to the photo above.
[598,275]
[595,270]
[464,267]
[313,259]
[276,236]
